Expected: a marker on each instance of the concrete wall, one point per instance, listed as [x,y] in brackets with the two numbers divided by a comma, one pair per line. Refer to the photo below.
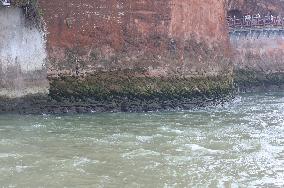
[257,6]
[22,56]
[261,51]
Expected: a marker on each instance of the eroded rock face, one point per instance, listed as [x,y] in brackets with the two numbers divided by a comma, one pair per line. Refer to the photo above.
[113,53]
[128,51]
[161,37]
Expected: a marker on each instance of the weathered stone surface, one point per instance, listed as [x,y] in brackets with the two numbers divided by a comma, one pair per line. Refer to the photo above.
[136,55]
[260,53]
[163,37]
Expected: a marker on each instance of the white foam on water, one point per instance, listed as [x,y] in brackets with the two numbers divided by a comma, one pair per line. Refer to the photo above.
[9,142]
[170,130]
[9,155]
[178,160]
[153,165]
[83,161]
[20,169]
[144,138]
[38,125]
[139,153]
[198,148]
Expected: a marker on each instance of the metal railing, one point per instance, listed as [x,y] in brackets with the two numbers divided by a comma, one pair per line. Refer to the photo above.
[5,2]
[255,21]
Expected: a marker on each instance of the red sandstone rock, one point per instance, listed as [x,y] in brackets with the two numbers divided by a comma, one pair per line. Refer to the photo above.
[183,37]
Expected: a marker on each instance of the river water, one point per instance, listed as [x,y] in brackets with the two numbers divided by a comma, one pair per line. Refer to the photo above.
[239,144]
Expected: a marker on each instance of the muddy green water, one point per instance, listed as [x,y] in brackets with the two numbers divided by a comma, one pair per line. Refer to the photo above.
[240,144]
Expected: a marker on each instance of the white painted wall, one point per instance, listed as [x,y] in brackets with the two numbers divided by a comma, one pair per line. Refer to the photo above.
[22,52]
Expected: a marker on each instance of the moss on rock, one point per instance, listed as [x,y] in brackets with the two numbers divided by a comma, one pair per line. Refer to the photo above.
[113,85]
[248,79]
[125,90]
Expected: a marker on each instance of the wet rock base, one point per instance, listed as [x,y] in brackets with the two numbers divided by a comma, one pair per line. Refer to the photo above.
[45,105]
[251,81]
[120,93]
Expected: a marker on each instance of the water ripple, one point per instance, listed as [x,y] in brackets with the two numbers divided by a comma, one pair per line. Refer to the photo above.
[237,144]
